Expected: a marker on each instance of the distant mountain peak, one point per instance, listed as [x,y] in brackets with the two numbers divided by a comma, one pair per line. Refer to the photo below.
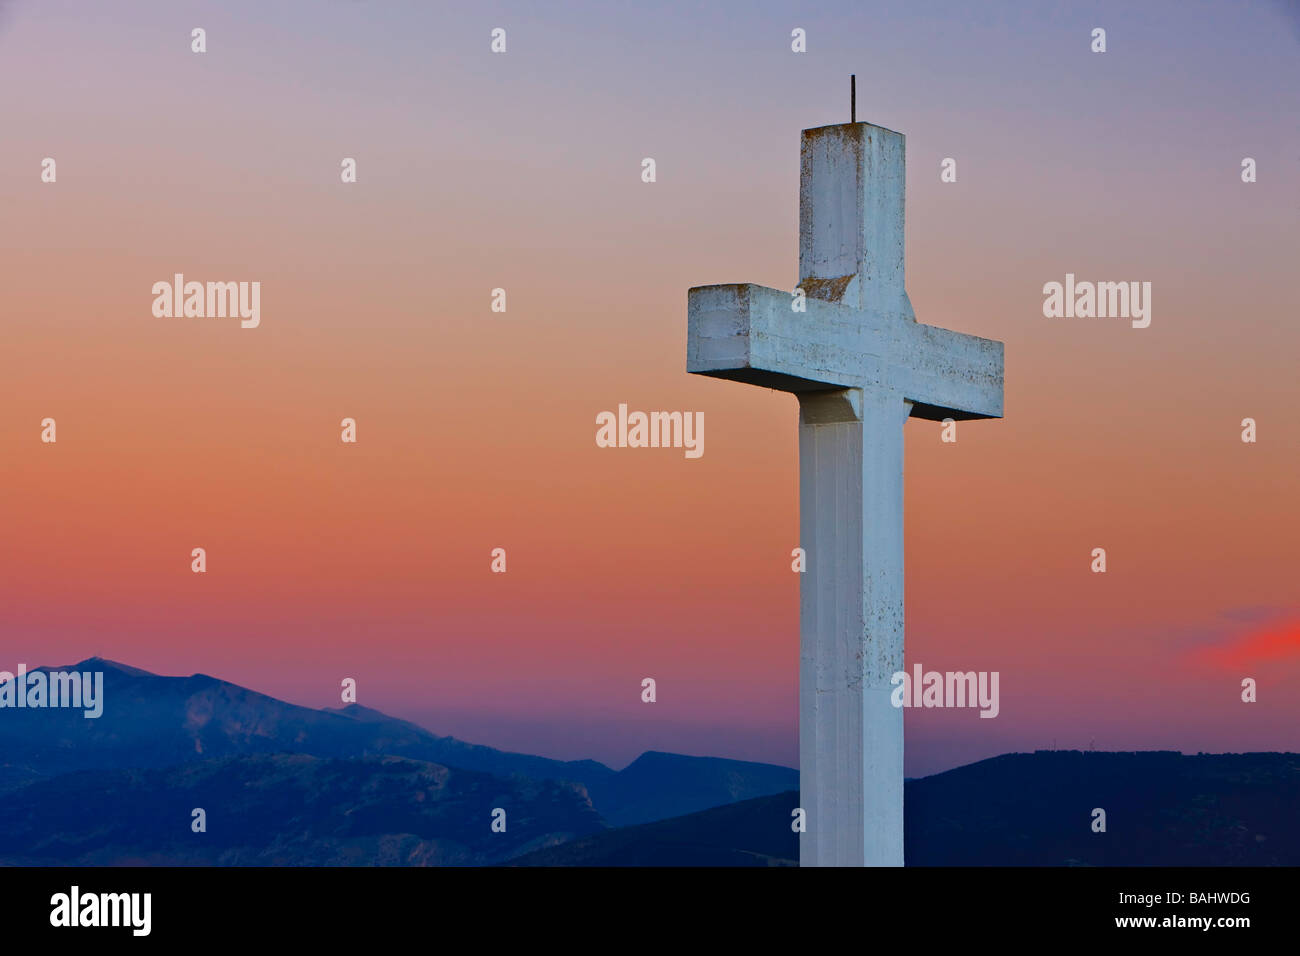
[103,663]
[652,758]
[354,706]
[359,711]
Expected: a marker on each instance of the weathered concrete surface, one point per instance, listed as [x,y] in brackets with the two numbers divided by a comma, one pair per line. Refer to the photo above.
[860,363]
[748,333]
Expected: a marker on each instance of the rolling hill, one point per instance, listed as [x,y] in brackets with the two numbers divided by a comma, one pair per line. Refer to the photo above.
[1162,809]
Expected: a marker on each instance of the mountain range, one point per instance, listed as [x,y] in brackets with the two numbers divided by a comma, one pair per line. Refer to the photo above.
[283,785]
[182,736]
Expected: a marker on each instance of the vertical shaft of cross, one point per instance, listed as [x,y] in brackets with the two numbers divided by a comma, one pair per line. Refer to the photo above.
[851,518]
[851,627]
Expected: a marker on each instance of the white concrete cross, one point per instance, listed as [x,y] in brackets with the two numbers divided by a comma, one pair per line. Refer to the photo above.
[860,364]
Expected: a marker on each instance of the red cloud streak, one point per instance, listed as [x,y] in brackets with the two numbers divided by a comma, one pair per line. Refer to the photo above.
[1277,642]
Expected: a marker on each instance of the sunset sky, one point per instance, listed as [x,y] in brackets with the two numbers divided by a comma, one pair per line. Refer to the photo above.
[476,429]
